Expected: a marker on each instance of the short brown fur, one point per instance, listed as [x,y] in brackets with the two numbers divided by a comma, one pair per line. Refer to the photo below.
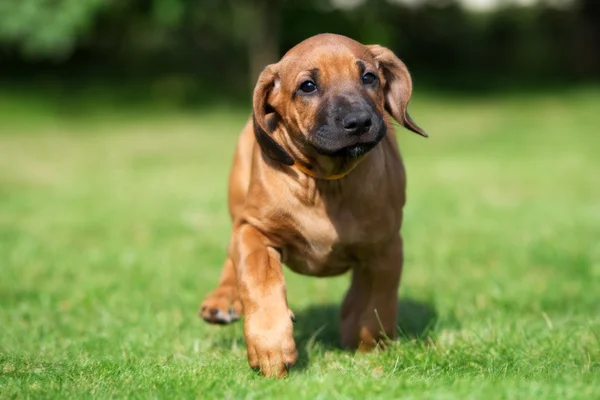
[316,226]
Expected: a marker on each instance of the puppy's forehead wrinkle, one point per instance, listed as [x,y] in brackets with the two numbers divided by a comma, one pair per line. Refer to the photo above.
[361,66]
[314,73]
[331,60]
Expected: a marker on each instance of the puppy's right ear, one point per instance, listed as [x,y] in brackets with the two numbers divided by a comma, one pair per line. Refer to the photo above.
[397,88]
[265,118]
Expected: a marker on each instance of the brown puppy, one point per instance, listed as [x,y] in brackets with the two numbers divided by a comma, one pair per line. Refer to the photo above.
[317,184]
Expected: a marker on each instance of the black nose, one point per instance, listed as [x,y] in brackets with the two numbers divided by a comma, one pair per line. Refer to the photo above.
[357,123]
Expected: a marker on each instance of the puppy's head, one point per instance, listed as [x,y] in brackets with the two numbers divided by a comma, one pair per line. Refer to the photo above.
[328,95]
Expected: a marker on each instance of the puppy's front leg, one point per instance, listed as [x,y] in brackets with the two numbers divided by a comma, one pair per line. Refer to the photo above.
[369,310]
[268,322]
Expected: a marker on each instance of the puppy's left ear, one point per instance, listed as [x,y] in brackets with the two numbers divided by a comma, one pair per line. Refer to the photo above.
[397,86]
[265,118]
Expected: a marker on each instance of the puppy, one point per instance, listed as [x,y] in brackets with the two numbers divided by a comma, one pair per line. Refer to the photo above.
[317,184]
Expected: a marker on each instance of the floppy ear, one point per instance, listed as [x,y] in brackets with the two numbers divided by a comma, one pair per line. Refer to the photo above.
[397,87]
[265,118]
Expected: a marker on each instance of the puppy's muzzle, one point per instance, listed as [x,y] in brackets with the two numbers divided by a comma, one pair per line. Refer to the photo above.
[350,127]
[357,123]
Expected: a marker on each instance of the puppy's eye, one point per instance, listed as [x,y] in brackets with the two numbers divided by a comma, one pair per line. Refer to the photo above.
[369,78]
[308,87]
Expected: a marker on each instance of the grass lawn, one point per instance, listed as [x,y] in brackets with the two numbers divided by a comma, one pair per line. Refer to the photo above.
[113,226]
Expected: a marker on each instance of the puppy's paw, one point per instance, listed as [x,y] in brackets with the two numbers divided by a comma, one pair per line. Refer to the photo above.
[271,346]
[222,307]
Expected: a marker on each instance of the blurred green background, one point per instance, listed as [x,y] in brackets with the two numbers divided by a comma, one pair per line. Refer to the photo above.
[185,51]
[118,121]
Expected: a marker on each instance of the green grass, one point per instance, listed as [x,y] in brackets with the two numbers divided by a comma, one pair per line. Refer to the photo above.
[113,226]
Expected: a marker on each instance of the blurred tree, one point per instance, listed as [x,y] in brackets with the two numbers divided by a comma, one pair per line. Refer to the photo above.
[44,28]
[257,23]
[587,37]
[202,45]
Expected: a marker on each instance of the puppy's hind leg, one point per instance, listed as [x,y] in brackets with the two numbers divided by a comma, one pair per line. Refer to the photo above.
[223,306]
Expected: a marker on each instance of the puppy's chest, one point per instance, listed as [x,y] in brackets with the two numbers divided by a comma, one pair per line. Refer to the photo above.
[329,241]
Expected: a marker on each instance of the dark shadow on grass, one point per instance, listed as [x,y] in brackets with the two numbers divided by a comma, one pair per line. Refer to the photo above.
[319,325]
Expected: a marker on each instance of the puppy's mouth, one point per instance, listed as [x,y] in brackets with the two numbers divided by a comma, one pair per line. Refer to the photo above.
[341,145]
[353,151]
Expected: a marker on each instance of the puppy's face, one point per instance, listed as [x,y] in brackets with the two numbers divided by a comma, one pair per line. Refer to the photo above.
[330,94]
[333,96]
